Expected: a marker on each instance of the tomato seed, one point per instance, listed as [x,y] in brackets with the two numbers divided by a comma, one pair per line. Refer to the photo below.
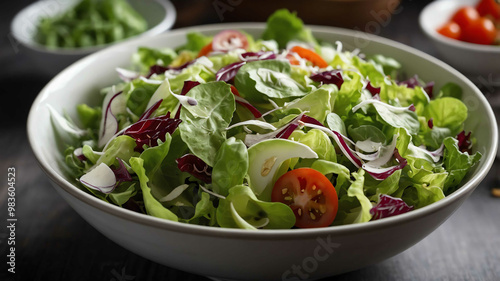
[312,216]
[284,191]
[288,198]
[319,191]
[314,187]
[322,209]
[299,212]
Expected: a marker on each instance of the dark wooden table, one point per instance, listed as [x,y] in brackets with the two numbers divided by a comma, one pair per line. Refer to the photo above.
[54,243]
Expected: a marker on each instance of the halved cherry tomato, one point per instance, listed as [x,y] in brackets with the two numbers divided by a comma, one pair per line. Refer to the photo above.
[309,55]
[207,49]
[309,194]
[465,16]
[489,7]
[228,40]
[481,31]
[451,30]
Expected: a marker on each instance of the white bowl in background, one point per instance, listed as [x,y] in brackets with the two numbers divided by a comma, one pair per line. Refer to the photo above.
[159,14]
[264,254]
[478,62]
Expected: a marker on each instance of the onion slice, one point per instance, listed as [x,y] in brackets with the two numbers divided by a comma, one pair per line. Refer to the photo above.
[100,178]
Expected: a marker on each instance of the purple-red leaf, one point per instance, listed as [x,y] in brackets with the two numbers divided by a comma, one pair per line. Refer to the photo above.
[158,69]
[430,123]
[411,83]
[148,131]
[428,88]
[260,55]
[121,172]
[388,206]
[374,91]
[464,143]
[150,110]
[329,77]
[196,167]
[228,72]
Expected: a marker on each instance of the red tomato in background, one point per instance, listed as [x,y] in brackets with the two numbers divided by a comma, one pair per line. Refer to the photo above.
[465,16]
[309,194]
[489,7]
[451,30]
[228,40]
[481,31]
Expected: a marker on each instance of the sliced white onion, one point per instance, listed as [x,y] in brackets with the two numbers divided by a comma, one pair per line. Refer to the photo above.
[386,154]
[100,178]
[257,123]
[211,192]
[127,75]
[174,193]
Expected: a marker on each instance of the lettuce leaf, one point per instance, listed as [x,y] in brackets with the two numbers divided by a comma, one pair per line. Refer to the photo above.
[231,166]
[259,80]
[284,27]
[203,126]
[457,164]
[242,209]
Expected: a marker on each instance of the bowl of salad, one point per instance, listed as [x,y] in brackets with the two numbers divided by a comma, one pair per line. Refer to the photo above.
[58,32]
[466,34]
[260,152]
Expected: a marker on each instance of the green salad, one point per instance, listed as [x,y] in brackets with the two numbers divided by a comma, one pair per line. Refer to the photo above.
[272,132]
[90,23]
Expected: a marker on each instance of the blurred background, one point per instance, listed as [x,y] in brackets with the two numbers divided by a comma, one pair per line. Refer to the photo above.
[62,246]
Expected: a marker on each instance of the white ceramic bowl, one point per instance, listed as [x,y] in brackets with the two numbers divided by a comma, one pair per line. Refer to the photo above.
[159,14]
[478,62]
[253,255]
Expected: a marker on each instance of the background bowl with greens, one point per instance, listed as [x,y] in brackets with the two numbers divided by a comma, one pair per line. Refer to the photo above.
[56,33]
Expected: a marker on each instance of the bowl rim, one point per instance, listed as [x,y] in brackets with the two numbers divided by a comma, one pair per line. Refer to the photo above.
[64,186]
[165,24]
[431,32]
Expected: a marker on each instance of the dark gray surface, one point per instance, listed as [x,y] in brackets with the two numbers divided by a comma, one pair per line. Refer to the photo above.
[55,243]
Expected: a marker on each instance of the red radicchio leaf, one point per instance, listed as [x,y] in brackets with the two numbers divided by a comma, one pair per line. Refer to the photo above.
[412,108]
[428,88]
[158,69]
[228,72]
[374,91]
[188,85]
[430,123]
[411,82]
[260,55]
[150,110]
[256,113]
[464,143]
[329,77]
[388,206]
[148,131]
[196,167]
[121,172]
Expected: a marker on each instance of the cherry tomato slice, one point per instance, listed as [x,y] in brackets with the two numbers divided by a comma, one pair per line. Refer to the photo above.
[309,55]
[228,40]
[451,30]
[465,16]
[489,7]
[309,194]
[481,31]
